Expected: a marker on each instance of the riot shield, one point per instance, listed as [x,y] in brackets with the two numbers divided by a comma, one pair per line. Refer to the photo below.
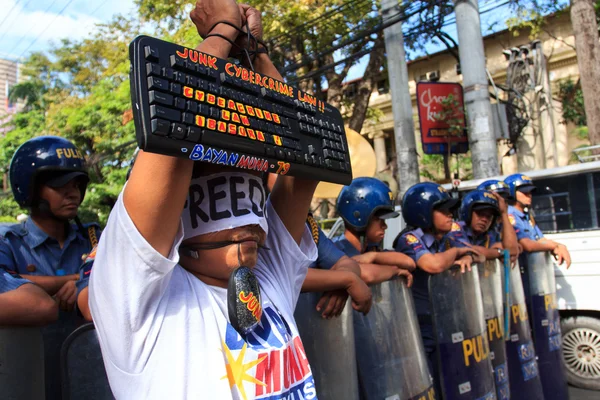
[523,372]
[329,346]
[546,324]
[21,364]
[459,325]
[490,279]
[389,350]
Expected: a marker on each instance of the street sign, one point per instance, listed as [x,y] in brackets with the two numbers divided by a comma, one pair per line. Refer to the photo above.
[435,134]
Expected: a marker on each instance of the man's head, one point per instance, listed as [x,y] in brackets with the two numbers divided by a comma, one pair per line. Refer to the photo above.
[479,210]
[428,206]
[364,205]
[521,189]
[224,222]
[47,174]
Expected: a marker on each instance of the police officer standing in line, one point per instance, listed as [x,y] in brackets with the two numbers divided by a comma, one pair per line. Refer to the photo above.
[529,235]
[427,209]
[485,224]
[48,177]
[364,206]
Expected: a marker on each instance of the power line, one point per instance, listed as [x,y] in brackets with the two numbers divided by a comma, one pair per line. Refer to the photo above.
[46,28]
[25,36]
[10,11]
[14,20]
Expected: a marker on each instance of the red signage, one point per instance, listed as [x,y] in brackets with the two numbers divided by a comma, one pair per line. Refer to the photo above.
[435,133]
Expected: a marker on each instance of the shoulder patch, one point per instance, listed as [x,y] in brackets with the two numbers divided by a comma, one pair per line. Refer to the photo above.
[511,219]
[455,227]
[411,239]
[314,228]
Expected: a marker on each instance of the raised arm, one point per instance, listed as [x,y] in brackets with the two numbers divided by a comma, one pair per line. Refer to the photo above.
[509,237]
[158,185]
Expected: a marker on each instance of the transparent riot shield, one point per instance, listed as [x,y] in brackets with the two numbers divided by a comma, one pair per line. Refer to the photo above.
[389,350]
[546,324]
[329,346]
[21,364]
[491,275]
[460,331]
[523,372]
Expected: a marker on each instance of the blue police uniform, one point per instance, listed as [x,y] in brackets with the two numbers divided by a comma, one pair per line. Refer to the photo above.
[28,250]
[524,224]
[344,245]
[10,281]
[460,232]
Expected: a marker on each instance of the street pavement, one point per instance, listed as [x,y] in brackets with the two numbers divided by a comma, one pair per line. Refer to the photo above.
[582,394]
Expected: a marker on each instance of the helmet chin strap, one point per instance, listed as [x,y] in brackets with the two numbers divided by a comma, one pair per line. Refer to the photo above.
[44,207]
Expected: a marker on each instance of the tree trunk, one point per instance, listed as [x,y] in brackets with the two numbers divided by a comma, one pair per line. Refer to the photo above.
[366,85]
[585,28]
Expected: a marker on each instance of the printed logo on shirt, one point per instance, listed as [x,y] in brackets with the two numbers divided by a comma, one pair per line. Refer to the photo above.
[411,239]
[511,219]
[455,227]
[269,362]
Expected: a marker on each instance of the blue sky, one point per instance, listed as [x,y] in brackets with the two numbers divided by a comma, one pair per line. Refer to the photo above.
[23,21]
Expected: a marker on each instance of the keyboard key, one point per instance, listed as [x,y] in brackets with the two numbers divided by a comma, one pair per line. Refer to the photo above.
[160,127]
[176,88]
[311,149]
[164,113]
[157,83]
[160,98]
[153,69]
[235,143]
[178,131]
[168,73]
[189,118]
[192,106]
[279,153]
[270,151]
[151,53]
[180,103]
[177,62]
[298,156]
[194,134]
[180,77]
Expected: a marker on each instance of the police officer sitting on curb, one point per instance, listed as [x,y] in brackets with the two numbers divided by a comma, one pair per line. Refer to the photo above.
[159,288]
[427,210]
[529,235]
[23,303]
[364,206]
[480,213]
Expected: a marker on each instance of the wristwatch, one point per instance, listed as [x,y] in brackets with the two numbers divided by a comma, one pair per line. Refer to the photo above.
[500,252]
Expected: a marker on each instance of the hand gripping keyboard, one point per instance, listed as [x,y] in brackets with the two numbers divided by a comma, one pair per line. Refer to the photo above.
[193,105]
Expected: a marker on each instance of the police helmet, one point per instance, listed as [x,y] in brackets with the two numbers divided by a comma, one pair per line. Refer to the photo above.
[421,199]
[519,182]
[475,200]
[51,160]
[496,186]
[362,199]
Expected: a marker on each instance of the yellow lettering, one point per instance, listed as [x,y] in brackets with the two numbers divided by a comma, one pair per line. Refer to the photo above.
[59,153]
[549,301]
[467,350]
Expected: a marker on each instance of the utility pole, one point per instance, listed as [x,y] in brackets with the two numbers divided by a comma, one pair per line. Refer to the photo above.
[482,141]
[585,28]
[404,130]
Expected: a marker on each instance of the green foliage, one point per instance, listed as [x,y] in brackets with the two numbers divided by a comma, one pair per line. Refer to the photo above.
[571,98]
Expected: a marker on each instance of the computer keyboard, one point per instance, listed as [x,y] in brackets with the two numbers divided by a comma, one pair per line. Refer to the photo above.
[193,105]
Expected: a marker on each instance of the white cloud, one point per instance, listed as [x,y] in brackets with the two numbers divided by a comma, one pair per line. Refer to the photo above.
[22,27]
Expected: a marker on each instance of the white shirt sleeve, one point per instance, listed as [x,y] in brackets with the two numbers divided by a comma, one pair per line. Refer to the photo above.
[283,268]
[127,290]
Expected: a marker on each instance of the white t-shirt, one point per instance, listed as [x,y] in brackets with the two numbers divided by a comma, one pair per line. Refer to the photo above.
[165,334]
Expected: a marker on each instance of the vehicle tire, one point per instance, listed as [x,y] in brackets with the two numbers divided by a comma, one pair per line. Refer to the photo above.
[581,351]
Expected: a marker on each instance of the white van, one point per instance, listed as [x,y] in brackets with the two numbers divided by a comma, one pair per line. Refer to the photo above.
[567,208]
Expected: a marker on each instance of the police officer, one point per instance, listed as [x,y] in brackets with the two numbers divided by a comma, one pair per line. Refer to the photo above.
[427,209]
[364,206]
[22,303]
[48,177]
[485,224]
[529,235]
